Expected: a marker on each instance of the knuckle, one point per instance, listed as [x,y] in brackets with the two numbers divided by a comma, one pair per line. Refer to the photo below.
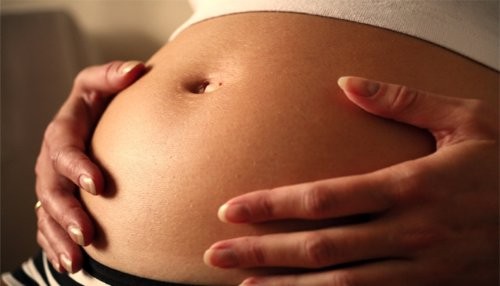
[80,78]
[67,158]
[39,238]
[58,157]
[318,251]
[472,111]
[110,71]
[265,205]
[51,131]
[420,238]
[69,214]
[61,126]
[44,198]
[61,215]
[42,221]
[344,278]
[477,115]
[404,98]
[81,83]
[409,184]
[255,253]
[476,106]
[316,202]
[39,165]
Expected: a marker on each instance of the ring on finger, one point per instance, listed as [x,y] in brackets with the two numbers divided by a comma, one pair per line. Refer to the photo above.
[38,205]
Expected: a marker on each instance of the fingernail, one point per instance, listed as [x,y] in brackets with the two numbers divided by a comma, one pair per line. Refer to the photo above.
[87,184]
[238,213]
[221,213]
[223,258]
[128,66]
[359,86]
[252,281]
[56,265]
[76,234]
[66,263]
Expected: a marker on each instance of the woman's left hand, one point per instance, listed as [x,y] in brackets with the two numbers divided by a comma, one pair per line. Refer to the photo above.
[434,220]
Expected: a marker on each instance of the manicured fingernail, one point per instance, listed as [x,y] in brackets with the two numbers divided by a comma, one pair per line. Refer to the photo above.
[359,86]
[128,66]
[253,281]
[66,263]
[76,234]
[56,265]
[223,258]
[221,213]
[87,184]
[238,213]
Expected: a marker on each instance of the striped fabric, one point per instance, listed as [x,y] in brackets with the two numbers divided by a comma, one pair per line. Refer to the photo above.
[38,271]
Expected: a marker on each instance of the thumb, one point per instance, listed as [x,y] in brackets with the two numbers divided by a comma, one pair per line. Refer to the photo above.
[449,119]
[109,78]
[95,86]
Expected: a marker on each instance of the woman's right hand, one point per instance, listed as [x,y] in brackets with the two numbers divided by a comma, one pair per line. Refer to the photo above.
[62,165]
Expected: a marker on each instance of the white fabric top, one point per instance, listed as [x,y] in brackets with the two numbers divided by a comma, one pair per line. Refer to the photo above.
[470,28]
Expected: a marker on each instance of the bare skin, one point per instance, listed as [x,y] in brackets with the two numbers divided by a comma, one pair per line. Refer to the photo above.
[61,164]
[415,228]
[419,174]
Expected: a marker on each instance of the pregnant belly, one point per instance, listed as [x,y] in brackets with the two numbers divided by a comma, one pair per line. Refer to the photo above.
[220,116]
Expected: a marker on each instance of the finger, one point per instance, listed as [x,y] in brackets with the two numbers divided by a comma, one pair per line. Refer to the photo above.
[63,150]
[109,78]
[57,197]
[51,254]
[59,243]
[95,86]
[66,136]
[449,119]
[332,198]
[308,249]
[70,217]
[387,272]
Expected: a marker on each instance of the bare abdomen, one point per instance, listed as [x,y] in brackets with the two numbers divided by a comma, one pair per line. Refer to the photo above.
[275,117]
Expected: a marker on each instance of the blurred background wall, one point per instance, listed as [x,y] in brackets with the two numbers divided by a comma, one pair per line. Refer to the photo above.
[44,43]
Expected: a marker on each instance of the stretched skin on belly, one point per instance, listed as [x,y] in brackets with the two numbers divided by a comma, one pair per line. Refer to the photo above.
[241,103]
